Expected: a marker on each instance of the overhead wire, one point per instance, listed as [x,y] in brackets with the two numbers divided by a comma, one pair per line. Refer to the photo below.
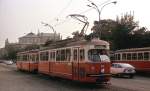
[79,13]
[61,12]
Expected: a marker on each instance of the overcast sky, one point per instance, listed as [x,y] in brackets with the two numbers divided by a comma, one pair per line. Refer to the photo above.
[19,17]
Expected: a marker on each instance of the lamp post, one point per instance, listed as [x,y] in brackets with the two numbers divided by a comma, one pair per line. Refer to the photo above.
[99,10]
[46,24]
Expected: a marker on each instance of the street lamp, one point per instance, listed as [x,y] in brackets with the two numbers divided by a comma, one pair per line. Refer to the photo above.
[99,10]
[46,24]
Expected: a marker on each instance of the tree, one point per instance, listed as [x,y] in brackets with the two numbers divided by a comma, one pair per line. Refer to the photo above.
[122,33]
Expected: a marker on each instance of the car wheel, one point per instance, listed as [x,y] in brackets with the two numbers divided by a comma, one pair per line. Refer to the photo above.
[131,76]
[118,75]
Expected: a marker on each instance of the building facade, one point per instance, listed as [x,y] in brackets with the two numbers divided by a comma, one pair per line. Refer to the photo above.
[28,40]
[38,39]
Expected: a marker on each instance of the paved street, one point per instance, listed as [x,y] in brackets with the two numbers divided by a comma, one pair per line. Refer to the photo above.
[13,80]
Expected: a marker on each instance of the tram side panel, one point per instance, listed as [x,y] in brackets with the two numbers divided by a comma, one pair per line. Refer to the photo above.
[139,59]
[44,67]
[33,67]
[25,66]
[62,69]
[93,72]
[19,65]
[44,64]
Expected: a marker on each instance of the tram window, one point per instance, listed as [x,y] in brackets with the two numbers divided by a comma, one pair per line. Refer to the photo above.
[75,54]
[68,54]
[18,58]
[53,56]
[124,56]
[30,57]
[97,55]
[58,55]
[33,57]
[134,56]
[112,57]
[37,57]
[24,57]
[146,55]
[41,56]
[82,54]
[63,55]
[44,56]
[140,56]
[129,56]
[115,56]
[118,57]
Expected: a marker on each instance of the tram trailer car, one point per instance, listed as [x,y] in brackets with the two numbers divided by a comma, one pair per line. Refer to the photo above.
[138,57]
[27,61]
[83,61]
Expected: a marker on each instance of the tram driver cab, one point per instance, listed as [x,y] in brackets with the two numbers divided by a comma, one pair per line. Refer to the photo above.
[98,55]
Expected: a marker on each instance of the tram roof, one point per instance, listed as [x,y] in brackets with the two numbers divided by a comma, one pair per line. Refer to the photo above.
[29,51]
[92,42]
[73,42]
[134,49]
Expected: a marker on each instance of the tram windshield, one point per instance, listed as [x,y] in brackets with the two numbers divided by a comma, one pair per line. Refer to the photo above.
[97,55]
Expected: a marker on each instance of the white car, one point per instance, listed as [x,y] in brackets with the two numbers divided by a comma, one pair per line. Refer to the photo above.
[122,69]
[9,62]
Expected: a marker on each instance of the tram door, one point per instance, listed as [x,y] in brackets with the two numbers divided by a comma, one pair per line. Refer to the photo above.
[75,64]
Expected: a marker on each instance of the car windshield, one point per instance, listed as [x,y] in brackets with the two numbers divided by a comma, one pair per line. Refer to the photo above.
[98,55]
[126,65]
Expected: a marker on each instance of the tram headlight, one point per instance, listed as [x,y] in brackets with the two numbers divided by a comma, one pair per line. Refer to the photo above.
[102,70]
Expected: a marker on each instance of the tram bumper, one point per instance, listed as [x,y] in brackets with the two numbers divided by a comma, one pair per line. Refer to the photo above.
[100,78]
[98,75]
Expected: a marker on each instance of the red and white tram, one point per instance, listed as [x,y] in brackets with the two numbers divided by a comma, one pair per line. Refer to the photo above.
[83,61]
[28,60]
[138,57]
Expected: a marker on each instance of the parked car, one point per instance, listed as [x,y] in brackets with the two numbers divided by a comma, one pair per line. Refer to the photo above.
[122,69]
[9,62]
